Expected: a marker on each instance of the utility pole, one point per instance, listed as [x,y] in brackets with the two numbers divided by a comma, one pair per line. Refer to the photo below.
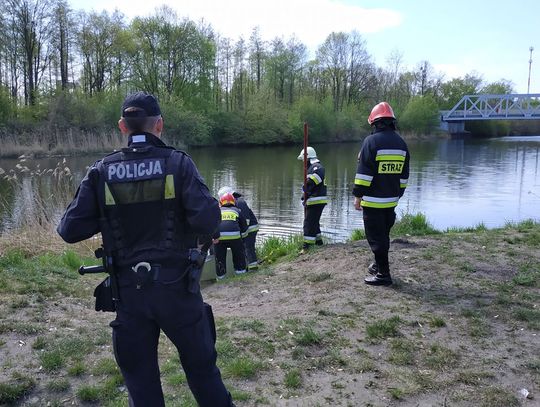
[531,49]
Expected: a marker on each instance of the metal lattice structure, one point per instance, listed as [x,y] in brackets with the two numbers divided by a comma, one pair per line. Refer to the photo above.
[494,107]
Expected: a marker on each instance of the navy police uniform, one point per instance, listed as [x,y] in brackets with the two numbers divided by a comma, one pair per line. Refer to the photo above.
[380,181]
[232,229]
[150,204]
[315,203]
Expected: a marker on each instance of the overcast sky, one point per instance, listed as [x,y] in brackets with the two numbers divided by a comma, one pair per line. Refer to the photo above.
[489,37]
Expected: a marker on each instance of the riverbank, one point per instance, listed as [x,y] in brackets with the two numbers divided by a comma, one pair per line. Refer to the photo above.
[84,143]
[459,327]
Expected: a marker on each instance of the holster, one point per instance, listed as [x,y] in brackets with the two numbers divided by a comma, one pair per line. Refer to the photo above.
[196,260]
[104,296]
[194,278]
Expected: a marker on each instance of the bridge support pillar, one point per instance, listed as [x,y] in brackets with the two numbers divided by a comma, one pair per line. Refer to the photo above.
[453,128]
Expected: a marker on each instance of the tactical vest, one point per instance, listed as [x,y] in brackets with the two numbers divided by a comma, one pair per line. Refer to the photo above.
[139,194]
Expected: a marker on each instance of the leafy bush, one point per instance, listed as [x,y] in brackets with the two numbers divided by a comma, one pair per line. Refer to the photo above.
[420,115]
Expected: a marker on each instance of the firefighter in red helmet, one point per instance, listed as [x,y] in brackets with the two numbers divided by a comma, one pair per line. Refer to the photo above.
[380,181]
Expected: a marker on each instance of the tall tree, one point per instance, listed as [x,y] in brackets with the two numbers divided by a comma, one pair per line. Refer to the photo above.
[31,24]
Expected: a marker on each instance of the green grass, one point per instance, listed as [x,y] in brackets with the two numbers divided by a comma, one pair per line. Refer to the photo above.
[46,274]
[383,329]
[91,394]
[320,277]
[497,397]
[58,386]
[401,352]
[293,379]
[441,358]
[436,322]
[413,225]
[357,234]
[409,225]
[242,368]
[528,275]
[274,248]
[52,361]
[308,337]
[11,392]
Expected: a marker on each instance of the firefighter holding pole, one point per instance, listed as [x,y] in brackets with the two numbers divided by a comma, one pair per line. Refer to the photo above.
[314,197]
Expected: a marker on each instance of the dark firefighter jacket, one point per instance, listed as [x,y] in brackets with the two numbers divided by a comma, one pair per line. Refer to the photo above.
[383,169]
[316,185]
[253,224]
[148,201]
[233,224]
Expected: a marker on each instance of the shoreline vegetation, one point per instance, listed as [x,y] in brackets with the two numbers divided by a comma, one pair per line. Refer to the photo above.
[460,326]
[90,143]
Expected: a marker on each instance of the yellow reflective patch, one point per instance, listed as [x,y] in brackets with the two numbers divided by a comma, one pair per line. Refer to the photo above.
[109,199]
[362,182]
[169,187]
[390,167]
[229,215]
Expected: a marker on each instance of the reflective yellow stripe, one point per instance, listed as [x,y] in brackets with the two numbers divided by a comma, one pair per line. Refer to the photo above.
[318,202]
[362,182]
[230,237]
[314,179]
[169,187]
[109,199]
[378,204]
[403,185]
[388,157]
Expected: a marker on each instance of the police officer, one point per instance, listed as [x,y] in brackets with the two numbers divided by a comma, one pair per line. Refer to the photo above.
[316,199]
[253,225]
[150,203]
[380,181]
[232,229]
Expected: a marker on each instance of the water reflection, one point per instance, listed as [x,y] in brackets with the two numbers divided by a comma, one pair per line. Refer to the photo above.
[454,182]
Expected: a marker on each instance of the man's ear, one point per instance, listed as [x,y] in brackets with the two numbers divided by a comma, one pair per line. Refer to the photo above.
[122,126]
[159,125]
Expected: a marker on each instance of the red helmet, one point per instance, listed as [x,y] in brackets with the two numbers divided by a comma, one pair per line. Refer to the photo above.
[227,199]
[381,111]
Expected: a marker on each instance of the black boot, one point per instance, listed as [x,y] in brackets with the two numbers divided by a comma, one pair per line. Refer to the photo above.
[379,279]
[373,268]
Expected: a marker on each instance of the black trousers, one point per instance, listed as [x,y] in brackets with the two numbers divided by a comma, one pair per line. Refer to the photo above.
[377,225]
[312,227]
[238,255]
[168,306]
[249,244]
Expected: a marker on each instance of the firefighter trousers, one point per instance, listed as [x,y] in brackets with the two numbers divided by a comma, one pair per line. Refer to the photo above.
[238,255]
[377,225]
[312,227]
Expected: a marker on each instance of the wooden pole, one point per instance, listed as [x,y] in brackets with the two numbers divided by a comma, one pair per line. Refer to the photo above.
[306,135]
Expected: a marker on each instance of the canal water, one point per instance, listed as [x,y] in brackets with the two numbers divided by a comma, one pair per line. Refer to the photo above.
[455,183]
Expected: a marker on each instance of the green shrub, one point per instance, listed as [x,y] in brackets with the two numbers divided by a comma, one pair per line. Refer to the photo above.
[413,225]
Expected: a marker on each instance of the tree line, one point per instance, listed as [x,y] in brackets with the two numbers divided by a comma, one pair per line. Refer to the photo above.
[66,71]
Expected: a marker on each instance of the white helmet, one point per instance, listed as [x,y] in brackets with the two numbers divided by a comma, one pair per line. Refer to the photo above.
[225,190]
[310,153]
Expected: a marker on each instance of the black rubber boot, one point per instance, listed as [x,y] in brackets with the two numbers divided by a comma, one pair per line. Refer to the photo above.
[373,269]
[379,279]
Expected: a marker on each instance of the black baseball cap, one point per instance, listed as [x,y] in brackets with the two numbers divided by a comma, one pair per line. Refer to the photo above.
[146,103]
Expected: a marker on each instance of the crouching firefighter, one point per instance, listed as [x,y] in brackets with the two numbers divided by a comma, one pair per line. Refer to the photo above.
[150,204]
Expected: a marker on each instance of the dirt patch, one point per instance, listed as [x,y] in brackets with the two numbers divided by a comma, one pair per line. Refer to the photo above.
[456,329]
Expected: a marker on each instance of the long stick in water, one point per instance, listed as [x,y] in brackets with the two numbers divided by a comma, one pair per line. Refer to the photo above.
[305,165]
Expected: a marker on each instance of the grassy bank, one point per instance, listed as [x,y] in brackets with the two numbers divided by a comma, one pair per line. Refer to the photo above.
[459,327]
